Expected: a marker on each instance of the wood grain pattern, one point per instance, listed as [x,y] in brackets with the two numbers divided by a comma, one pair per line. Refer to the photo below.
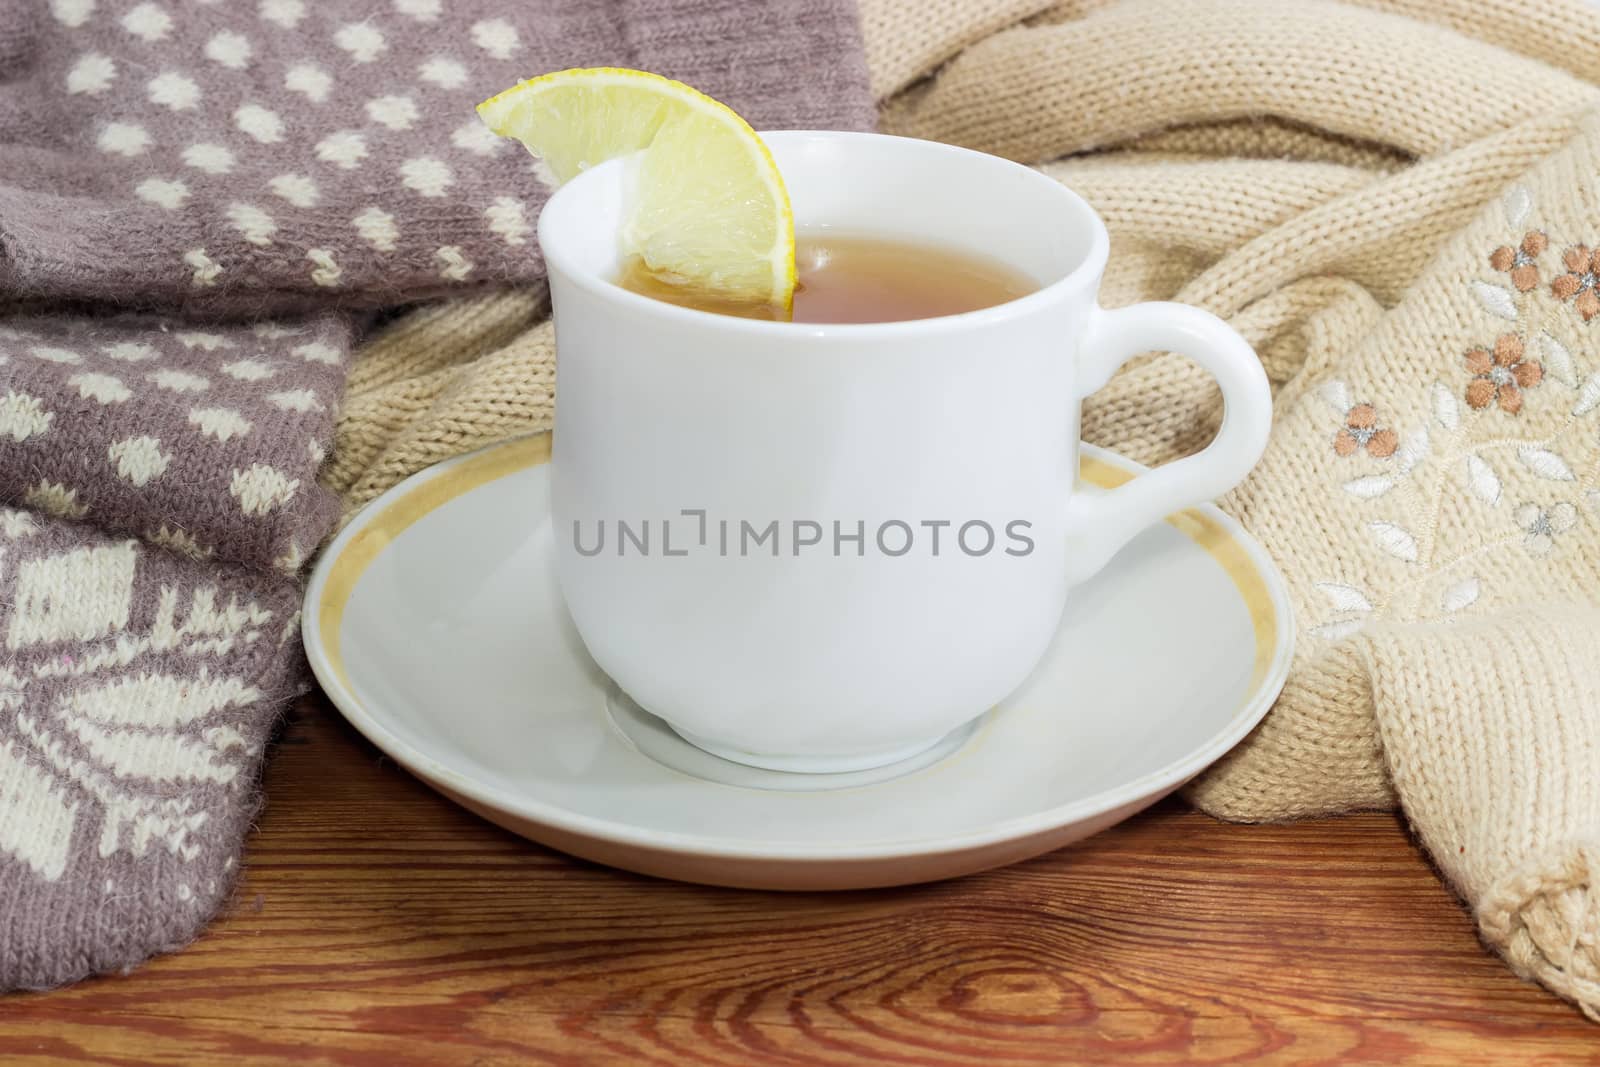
[379,924]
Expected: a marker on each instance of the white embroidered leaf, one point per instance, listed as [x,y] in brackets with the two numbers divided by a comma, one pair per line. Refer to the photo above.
[1337,396]
[1496,300]
[1557,360]
[1333,631]
[1545,463]
[1518,202]
[1588,396]
[1445,407]
[1345,597]
[1413,450]
[1593,499]
[1461,595]
[1372,486]
[1484,481]
[1395,540]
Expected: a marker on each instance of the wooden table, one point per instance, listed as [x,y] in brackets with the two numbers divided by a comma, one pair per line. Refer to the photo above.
[380,924]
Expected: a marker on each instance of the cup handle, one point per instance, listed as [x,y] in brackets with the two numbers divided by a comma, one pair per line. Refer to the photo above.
[1099,525]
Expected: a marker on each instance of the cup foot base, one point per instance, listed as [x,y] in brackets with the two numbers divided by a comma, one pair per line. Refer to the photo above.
[655,739]
[854,761]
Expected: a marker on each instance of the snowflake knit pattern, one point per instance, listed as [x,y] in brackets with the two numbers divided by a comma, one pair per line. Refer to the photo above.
[1396,202]
[170,171]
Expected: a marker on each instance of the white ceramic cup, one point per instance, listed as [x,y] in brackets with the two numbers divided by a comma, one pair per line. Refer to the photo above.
[809,650]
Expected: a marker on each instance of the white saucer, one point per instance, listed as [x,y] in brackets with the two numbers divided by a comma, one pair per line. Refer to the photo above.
[435,625]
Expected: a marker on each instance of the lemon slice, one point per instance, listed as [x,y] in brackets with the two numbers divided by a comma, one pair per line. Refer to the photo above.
[708,208]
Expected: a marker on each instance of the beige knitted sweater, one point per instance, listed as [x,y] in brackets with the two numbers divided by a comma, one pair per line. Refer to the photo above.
[1398,203]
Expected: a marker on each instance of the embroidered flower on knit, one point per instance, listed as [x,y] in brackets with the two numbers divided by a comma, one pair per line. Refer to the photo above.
[1578,284]
[1501,375]
[1361,430]
[1544,525]
[1519,261]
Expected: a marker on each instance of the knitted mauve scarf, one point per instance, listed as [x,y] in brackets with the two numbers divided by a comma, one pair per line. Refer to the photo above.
[171,171]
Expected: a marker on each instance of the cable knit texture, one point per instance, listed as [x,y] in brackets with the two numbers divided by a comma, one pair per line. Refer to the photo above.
[1395,201]
[167,173]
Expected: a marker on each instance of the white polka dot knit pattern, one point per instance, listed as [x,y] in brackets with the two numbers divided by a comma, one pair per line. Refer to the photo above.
[284,153]
[164,482]
[206,440]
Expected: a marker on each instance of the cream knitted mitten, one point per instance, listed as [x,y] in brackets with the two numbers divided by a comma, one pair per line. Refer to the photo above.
[1429,492]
